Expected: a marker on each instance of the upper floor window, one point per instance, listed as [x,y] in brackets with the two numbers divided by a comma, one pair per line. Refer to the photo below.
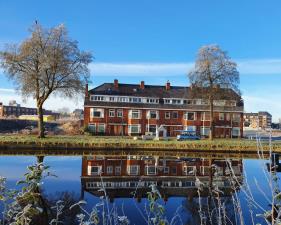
[97,98]
[236,117]
[119,112]
[96,113]
[175,115]
[152,114]
[150,170]
[134,114]
[205,116]
[167,115]
[221,116]
[112,113]
[189,116]
[152,100]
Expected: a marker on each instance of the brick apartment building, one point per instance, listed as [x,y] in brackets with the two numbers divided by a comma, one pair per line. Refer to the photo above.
[14,109]
[132,109]
[261,119]
[122,175]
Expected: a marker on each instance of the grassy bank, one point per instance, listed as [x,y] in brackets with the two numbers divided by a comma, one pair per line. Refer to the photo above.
[90,142]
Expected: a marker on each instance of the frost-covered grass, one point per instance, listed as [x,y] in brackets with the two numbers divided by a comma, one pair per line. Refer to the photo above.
[81,141]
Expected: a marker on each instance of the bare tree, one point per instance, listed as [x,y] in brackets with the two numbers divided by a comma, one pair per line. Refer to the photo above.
[213,76]
[48,62]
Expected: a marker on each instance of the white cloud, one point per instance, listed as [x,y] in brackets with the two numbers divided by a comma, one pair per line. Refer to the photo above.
[249,66]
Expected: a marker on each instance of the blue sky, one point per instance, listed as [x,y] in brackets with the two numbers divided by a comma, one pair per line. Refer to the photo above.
[157,40]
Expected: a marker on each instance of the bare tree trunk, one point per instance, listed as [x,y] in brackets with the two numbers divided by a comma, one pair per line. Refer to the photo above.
[211,134]
[40,121]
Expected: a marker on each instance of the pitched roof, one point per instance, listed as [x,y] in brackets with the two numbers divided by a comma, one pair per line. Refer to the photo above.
[156,91]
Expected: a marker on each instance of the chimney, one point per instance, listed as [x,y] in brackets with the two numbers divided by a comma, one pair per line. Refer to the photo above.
[86,91]
[168,85]
[116,83]
[142,85]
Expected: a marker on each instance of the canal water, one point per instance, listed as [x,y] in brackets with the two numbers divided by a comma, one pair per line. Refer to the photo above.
[126,180]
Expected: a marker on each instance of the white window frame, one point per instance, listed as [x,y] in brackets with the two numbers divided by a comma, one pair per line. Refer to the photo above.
[111,113]
[148,115]
[109,170]
[166,170]
[203,116]
[133,112]
[147,172]
[134,125]
[167,113]
[206,131]
[99,125]
[94,173]
[173,115]
[221,116]
[92,127]
[117,170]
[119,112]
[185,116]
[93,110]
[130,167]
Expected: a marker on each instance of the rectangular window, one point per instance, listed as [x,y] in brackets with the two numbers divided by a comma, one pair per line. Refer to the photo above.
[235,131]
[174,170]
[189,116]
[101,128]
[167,115]
[236,117]
[221,116]
[228,116]
[166,170]
[112,113]
[134,114]
[96,113]
[109,170]
[190,128]
[151,128]
[92,128]
[174,114]
[119,112]
[118,170]
[133,170]
[135,129]
[204,131]
[205,116]
[152,114]
[94,170]
[150,170]
[189,170]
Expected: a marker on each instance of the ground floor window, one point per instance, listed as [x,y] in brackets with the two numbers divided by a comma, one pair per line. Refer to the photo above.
[151,128]
[92,128]
[190,128]
[101,128]
[204,131]
[135,129]
[236,131]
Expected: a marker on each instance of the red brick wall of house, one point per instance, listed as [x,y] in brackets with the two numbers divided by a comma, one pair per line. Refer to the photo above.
[178,124]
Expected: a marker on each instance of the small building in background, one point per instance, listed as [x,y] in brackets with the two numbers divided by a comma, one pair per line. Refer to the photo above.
[258,120]
[16,110]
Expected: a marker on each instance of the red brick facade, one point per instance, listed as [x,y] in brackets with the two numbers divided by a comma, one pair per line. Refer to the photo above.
[115,118]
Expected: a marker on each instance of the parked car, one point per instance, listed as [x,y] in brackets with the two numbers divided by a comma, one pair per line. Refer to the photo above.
[187,135]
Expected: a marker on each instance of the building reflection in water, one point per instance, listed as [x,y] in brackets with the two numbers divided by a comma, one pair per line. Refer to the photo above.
[132,176]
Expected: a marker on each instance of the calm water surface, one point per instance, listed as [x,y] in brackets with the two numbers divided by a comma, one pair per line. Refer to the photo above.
[127,180]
